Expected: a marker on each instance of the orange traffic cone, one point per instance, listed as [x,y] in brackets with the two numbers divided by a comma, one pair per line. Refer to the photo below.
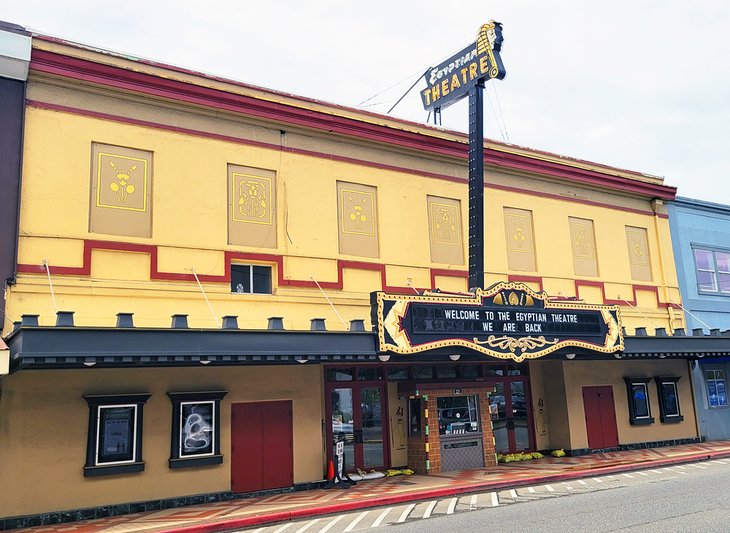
[330,471]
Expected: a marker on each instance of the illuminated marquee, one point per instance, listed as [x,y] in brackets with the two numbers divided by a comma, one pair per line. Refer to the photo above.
[506,321]
[451,80]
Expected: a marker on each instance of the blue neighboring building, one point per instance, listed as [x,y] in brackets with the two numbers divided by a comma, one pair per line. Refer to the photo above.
[701,241]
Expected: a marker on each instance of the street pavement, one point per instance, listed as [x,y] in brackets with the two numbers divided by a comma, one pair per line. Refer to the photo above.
[691,497]
[448,489]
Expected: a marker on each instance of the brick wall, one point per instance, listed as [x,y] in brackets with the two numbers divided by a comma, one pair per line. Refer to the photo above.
[424,451]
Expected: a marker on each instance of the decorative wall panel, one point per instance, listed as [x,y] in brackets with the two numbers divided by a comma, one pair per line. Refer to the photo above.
[251,207]
[444,230]
[121,191]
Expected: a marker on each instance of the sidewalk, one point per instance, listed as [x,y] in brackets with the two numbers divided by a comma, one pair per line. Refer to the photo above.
[252,512]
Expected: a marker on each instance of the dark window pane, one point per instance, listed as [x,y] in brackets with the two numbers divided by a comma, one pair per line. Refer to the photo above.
[641,402]
[414,416]
[262,280]
[457,414]
[340,374]
[196,426]
[397,373]
[423,372]
[368,374]
[469,371]
[446,371]
[671,406]
[495,371]
[241,278]
[116,433]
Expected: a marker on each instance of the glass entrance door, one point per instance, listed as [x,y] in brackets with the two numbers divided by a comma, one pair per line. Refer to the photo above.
[357,411]
[509,409]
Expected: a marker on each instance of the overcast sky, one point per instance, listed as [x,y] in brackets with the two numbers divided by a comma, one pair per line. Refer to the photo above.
[637,84]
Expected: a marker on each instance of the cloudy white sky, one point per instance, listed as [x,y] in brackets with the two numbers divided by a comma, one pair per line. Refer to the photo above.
[638,84]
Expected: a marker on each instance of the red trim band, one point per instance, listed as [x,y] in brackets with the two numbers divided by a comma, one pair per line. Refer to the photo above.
[279,112]
[230,257]
[372,164]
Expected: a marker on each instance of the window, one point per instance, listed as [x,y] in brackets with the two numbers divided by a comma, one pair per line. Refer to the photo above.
[668,393]
[114,444]
[195,428]
[414,417]
[638,394]
[251,279]
[713,270]
[457,414]
[716,392]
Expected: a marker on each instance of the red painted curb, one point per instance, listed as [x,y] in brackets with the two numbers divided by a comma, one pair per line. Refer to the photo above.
[283,516]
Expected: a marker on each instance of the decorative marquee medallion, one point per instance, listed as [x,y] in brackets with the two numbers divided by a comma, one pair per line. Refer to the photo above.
[506,321]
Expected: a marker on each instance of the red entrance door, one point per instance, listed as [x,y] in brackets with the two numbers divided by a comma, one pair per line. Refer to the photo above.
[600,417]
[262,455]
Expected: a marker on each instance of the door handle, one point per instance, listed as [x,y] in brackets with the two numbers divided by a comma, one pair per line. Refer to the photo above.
[510,423]
[357,433]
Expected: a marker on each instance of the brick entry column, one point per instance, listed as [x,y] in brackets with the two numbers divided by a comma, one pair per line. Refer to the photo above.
[424,450]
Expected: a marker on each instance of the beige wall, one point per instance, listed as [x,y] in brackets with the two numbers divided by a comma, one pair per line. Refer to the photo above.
[398,419]
[548,376]
[44,420]
[560,384]
[579,374]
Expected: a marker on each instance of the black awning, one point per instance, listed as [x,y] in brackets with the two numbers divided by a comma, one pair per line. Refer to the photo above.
[75,347]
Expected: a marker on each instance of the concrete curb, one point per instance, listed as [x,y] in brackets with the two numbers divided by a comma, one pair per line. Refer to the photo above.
[284,516]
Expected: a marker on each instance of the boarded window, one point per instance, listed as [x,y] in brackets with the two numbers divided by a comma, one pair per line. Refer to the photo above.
[444,230]
[251,206]
[121,191]
[357,216]
[520,240]
[583,243]
[639,259]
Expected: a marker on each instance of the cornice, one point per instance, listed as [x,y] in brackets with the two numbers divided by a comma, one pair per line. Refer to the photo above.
[281,113]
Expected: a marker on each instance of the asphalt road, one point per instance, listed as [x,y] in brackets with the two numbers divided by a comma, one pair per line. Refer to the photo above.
[692,497]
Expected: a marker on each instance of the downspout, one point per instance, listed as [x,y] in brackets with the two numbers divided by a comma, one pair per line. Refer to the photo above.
[655,206]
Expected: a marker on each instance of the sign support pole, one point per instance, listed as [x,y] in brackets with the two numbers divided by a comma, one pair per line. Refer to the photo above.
[476,186]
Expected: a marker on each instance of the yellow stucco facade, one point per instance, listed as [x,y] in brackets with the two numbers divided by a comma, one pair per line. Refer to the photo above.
[134,189]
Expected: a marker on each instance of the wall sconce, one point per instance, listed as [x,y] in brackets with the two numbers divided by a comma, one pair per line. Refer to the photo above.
[455,357]
[302,360]
[570,356]
[384,358]
[617,355]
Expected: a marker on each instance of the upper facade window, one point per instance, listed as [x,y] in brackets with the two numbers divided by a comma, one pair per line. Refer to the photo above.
[251,279]
[121,191]
[639,260]
[713,270]
[520,239]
